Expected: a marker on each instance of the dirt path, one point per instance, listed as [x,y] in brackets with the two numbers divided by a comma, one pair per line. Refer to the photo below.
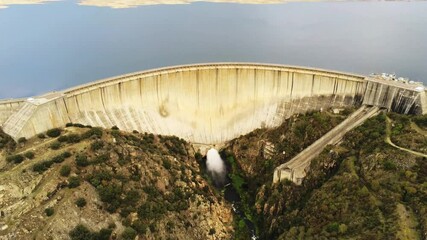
[388,140]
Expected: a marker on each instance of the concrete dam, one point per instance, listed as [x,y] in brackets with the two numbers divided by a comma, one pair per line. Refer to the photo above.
[205,103]
[214,103]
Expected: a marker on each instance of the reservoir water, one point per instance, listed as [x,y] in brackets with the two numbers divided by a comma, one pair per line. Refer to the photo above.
[60,44]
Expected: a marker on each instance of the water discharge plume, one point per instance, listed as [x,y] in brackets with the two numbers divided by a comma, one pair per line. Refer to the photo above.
[216,167]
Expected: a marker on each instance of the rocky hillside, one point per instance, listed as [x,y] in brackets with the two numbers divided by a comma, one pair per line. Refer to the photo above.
[367,187]
[90,183]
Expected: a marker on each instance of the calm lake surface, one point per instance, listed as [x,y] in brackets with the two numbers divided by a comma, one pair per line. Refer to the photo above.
[58,45]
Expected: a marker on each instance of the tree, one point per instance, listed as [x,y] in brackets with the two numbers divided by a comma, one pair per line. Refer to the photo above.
[81,202]
[103,234]
[97,145]
[65,170]
[81,160]
[129,234]
[18,158]
[55,145]
[73,182]
[80,232]
[49,211]
[73,138]
[140,226]
[54,132]
[63,138]
[41,136]
[29,155]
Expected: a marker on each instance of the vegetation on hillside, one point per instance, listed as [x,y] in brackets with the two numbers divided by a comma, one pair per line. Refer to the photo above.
[360,189]
[152,183]
[125,185]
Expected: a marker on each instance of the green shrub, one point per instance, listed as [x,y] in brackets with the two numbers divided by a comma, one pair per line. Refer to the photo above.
[63,138]
[152,227]
[58,159]
[49,211]
[166,163]
[333,227]
[45,165]
[74,138]
[114,128]
[22,140]
[65,170]
[97,145]
[140,227]
[93,132]
[69,125]
[66,154]
[80,232]
[42,166]
[129,234]
[389,165]
[101,158]
[29,154]
[98,176]
[54,132]
[131,198]
[18,158]
[81,160]
[421,120]
[73,182]
[170,226]
[81,202]
[198,156]
[41,135]
[109,193]
[103,234]
[79,125]
[55,145]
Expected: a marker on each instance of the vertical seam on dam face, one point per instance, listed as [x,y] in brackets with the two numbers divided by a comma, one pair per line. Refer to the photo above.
[101,90]
[216,81]
[246,97]
[66,109]
[255,77]
[198,88]
[279,76]
[312,85]
[237,88]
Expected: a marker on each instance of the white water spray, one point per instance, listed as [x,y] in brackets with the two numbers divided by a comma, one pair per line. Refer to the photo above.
[215,166]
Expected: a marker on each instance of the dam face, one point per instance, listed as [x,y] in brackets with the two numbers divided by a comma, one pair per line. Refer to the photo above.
[205,103]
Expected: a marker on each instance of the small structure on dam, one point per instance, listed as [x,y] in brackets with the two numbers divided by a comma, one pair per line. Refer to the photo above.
[206,103]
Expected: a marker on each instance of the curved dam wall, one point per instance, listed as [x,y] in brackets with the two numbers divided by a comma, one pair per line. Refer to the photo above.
[206,103]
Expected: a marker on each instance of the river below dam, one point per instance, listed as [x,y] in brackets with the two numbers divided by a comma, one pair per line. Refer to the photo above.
[230,185]
[52,46]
